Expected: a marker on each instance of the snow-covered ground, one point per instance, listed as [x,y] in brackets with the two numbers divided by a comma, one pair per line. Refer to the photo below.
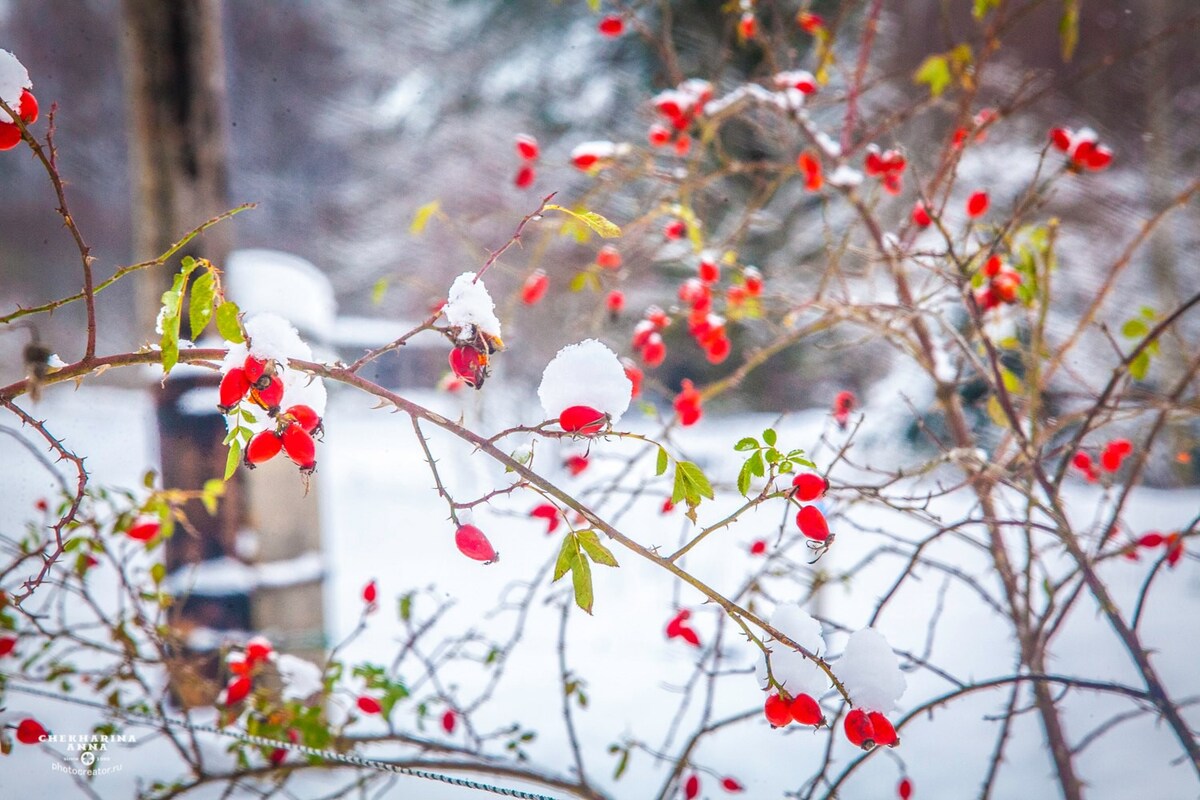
[382,520]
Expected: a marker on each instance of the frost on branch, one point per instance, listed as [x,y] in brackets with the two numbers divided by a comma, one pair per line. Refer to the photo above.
[470,307]
[794,672]
[14,79]
[585,375]
[870,671]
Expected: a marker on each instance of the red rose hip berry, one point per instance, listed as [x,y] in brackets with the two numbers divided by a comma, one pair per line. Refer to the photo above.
[299,446]
[812,523]
[806,711]
[234,387]
[777,711]
[582,420]
[859,730]
[473,544]
[809,486]
[263,446]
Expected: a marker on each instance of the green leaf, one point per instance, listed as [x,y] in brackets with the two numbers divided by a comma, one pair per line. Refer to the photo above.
[1134,329]
[233,459]
[422,217]
[1011,382]
[1140,366]
[996,412]
[378,290]
[594,221]
[581,577]
[663,462]
[406,602]
[622,764]
[72,544]
[228,324]
[756,465]
[749,443]
[691,484]
[1068,28]
[213,490]
[935,73]
[158,572]
[769,436]
[568,554]
[589,542]
[982,7]
[584,280]
[743,479]
[200,306]
[772,455]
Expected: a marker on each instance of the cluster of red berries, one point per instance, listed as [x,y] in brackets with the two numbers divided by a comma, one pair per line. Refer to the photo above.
[474,545]
[679,107]
[808,487]
[293,434]
[802,709]
[27,110]
[688,404]
[1111,458]
[869,729]
[647,336]
[528,150]
[888,166]
[242,667]
[691,786]
[1153,540]
[678,628]
[1083,148]
[1003,283]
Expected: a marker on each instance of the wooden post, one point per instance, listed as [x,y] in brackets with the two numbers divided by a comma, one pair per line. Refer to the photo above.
[174,67]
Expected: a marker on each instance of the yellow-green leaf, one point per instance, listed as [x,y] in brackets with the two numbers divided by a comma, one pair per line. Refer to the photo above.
[1068,28]
[233,459]
[589,542]
[996,412]
[581,577]
[934,72]
[568,554]
[594,221]
[422,217]
[200,306]
[982,7]
[378,290]
[228,324]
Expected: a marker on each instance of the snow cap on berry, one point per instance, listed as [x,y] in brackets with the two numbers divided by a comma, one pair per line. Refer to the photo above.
[14,79]
[469,306]
[797,674]
[585,374]
[870,671]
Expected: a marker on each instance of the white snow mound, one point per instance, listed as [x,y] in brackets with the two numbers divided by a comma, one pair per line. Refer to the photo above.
[870,671]
[301,678]
[585,374]
[797,674]
[469,306]
[14,79]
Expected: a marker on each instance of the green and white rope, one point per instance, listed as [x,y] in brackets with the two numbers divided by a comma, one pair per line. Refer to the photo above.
[262,741]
